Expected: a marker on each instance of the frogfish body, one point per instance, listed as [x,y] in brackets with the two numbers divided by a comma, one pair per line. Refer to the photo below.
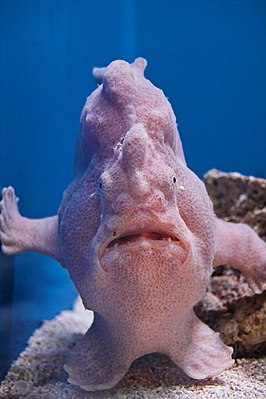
[137,232]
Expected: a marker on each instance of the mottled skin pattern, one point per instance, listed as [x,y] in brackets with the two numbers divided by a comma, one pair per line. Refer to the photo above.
[137,232]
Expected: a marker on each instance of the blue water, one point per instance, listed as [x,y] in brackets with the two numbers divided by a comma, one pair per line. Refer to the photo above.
[208,56]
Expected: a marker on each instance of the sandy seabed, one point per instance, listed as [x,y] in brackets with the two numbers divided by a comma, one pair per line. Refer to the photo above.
[38,372]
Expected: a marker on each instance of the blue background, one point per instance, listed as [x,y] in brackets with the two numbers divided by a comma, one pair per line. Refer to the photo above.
[209,57]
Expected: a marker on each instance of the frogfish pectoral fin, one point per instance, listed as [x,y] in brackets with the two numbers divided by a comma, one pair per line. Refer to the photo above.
[199,351]
[97,362]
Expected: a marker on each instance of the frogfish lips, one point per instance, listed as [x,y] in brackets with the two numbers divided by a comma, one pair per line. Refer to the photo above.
[148,235]
[145,242]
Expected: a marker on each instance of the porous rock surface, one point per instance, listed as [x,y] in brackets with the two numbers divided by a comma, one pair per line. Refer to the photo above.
[229,307]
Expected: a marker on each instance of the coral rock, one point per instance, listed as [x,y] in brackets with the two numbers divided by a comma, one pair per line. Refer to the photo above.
[230,307]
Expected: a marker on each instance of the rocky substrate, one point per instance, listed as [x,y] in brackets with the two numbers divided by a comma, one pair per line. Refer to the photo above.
[229,307]
[38,372]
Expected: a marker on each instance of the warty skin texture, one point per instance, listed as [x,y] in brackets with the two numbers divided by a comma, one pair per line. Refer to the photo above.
[137,233]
